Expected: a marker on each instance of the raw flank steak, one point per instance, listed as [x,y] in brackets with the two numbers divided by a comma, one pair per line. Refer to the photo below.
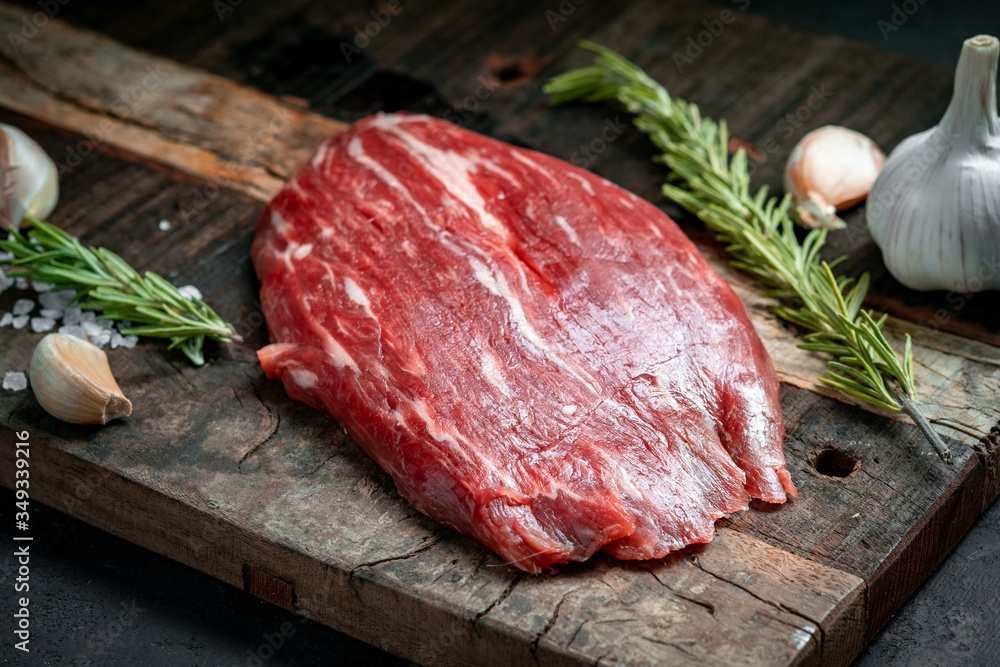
[540,359]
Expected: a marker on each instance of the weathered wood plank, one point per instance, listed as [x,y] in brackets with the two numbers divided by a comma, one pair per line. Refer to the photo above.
[960,384]
[191,120]
[267,484]
[260,483]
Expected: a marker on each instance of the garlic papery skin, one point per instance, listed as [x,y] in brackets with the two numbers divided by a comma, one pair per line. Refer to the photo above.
[72,380]
[935,208]
[29,180]
[831,169]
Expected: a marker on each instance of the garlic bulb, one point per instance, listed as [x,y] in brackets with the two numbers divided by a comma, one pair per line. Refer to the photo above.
[73,382]
[29,181]
[831,169]
[935,208]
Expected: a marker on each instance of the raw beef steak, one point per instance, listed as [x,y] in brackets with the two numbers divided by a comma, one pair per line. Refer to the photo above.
[540,359]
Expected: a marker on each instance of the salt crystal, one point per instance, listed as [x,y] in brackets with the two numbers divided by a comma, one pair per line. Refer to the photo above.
[6,282]
[6,319]
[107,325]
[56,300]
[23,306]
[6,256]
[92,328]
[20,321]
[21,282]
[52,313]
[128,342]
[101,339]
[116,340]
[41,287]
[88,316]
[42,324]
[189,292]
[15,381]
[75,330]
[124,324]
[164,225]
[72,316]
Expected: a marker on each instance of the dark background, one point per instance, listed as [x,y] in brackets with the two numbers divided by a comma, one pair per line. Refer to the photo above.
[98,600]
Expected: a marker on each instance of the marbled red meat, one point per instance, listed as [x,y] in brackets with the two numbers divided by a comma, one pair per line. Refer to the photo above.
[540,359]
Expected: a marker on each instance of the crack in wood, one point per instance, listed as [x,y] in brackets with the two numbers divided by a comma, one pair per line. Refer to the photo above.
[322,463]
[503,596]
[551,622]
[352,574]
[818,628]
[674,645]
[706,605]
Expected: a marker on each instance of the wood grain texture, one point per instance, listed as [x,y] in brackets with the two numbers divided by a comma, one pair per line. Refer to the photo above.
[191,120]
[217,468]
[958,382]
[245,481]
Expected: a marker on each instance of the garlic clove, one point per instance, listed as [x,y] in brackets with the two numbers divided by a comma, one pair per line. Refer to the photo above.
[831,169]
[29,180]
[72,380]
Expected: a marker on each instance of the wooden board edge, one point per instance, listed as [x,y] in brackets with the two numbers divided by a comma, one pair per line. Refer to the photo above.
[166,525]
[945,523]
[360,606]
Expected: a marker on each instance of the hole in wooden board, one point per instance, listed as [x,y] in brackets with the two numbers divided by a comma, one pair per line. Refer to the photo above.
[832,462]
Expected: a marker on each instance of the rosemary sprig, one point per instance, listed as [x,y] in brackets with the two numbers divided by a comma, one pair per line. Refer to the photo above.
[104,282]
[759,235]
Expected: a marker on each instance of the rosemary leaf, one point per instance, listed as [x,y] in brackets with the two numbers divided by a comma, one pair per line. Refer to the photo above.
[105,283]
[759,234]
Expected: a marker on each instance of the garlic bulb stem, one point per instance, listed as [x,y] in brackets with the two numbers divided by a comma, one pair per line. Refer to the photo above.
[972,113]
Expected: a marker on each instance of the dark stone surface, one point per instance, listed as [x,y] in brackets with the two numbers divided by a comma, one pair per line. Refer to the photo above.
[98,600]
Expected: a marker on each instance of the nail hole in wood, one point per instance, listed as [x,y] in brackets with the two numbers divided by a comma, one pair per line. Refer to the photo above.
[832,462]
[509,72]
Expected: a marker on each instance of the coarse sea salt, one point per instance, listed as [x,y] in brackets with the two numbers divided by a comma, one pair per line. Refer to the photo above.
[75,330]
[21,282]
[20,321]
[72,316]
[56,300]
[6,282]
[41,287]
[6,319]
[101,339]
[15,381]
[42,324]
[164,225]
[23,306]
[189,292]
[92,328]
[128,342]
[51,313]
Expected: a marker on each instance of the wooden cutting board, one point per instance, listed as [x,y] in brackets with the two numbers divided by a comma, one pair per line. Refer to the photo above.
[219,470]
